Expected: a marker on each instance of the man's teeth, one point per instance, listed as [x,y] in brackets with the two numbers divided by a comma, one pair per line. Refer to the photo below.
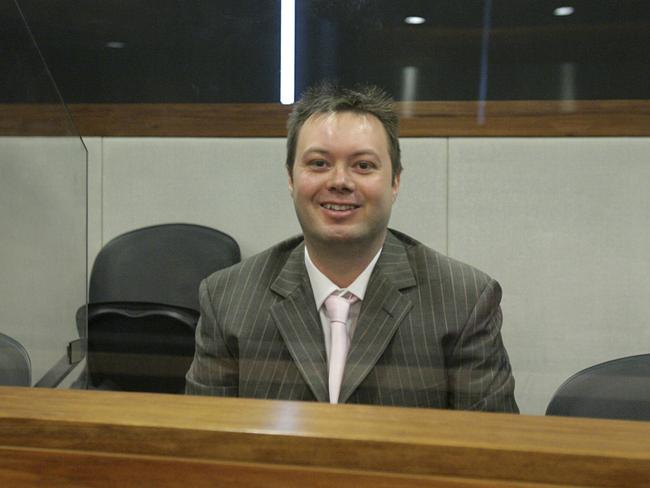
[332,206]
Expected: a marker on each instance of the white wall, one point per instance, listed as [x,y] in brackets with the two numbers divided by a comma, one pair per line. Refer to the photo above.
[561,223]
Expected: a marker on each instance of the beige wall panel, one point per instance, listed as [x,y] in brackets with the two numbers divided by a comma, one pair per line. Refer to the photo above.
[240,186]
[235,185]
[42,243]
[564,225]
[421,206]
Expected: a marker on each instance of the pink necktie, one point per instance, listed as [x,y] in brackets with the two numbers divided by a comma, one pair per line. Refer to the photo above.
[337,309]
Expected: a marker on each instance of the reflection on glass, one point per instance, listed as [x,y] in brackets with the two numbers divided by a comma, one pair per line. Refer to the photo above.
[409,89]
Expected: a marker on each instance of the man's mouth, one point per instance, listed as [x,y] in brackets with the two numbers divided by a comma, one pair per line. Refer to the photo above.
[339,207]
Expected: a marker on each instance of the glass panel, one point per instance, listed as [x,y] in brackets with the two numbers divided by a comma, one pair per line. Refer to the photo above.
[43,238]
[561,223]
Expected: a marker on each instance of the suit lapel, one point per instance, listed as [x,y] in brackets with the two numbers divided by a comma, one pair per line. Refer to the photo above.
[299,324]
[382,310]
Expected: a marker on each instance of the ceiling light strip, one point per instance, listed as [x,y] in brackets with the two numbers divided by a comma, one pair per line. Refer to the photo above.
[287,51]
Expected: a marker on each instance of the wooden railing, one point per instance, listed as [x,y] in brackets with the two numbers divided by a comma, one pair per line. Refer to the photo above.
[103,439]
[419,119]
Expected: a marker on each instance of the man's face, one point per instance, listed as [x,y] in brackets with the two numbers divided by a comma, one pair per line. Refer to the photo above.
[341,181]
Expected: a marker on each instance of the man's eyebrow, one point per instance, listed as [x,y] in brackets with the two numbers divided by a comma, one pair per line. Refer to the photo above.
[318,150]
[361,152]
[366,152]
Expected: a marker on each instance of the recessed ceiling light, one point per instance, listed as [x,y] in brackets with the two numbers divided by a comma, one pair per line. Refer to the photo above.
[415,20]
[115,44]
[563,11]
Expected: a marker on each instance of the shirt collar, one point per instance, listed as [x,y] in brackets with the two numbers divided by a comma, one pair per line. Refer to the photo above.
[323,287]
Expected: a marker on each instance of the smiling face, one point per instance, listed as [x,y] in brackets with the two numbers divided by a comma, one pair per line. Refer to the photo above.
[341,182]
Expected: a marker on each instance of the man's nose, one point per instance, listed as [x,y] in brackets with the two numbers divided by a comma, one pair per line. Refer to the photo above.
[341,179]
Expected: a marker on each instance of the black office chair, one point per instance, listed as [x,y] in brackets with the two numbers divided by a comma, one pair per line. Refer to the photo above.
[618,389]
[15,365]
[143,305]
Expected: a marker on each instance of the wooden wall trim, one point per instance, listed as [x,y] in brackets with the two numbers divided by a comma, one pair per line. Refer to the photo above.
[528,118]
[196,438]
[419,119]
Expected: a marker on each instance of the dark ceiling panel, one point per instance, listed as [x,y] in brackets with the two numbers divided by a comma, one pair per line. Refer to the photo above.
[24,75]
[602,51]
[160,50]
[229,50]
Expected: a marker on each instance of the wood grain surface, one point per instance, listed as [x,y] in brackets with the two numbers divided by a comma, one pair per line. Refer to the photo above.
[419,119]
[128,439]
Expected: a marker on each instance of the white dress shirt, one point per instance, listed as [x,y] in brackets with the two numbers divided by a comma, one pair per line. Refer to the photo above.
[323,287]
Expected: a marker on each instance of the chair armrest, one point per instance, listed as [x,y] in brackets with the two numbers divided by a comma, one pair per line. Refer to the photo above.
[57,373]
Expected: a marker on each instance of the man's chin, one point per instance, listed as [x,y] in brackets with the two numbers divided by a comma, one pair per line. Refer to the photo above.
[344,237]
[337,239]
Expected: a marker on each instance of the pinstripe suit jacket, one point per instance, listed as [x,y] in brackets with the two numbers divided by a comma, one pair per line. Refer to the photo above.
[428,333]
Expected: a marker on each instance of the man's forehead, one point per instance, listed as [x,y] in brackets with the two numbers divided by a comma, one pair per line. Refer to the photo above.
[363,120]
[363,117]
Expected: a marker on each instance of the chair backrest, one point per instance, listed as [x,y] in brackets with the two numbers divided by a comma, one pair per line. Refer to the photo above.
[15,365]
[143,305]
[160,264]
[618,389]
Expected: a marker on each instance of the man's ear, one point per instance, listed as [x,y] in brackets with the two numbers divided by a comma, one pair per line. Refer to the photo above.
[396,182]
[290,177]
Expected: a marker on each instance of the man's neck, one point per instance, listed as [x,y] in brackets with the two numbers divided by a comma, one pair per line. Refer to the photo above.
[342,263]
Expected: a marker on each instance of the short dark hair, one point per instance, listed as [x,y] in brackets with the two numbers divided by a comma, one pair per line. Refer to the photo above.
[329,98]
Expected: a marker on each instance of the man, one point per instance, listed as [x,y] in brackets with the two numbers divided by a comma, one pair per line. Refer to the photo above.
[417,328]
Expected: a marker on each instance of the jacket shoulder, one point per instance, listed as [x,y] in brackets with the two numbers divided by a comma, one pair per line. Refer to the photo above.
[432,266]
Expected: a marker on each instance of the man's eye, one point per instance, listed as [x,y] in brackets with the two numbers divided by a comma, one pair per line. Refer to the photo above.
[365,165]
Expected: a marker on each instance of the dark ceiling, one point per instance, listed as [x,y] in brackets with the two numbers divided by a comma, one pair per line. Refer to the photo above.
[229,50]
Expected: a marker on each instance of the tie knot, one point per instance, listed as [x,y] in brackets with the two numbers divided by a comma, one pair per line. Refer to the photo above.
[337,307]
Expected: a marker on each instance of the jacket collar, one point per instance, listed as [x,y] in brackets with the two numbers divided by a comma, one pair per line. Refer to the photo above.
[382,310]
